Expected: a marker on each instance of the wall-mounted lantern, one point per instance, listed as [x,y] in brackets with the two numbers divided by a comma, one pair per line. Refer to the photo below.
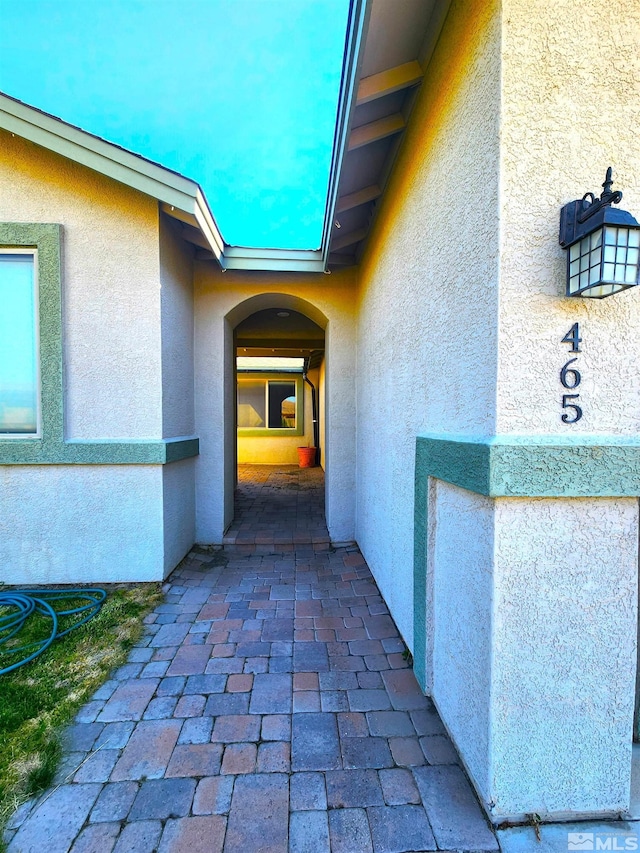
[603,244]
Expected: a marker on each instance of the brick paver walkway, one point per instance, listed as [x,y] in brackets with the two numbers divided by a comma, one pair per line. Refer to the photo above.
[278,504]
[269,708]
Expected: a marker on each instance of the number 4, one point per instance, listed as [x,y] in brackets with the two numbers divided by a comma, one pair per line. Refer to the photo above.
[573,337]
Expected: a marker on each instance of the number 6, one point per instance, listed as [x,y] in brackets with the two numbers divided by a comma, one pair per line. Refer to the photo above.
[564,375]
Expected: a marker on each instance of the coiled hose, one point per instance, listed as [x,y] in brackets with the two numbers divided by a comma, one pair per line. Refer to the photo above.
[23,603]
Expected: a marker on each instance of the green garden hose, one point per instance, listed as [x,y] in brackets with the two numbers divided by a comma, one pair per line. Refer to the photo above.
[24,603]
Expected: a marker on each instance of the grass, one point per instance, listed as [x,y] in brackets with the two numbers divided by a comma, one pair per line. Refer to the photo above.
[40,698]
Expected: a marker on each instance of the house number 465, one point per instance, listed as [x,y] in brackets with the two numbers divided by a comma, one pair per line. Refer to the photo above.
[570,378]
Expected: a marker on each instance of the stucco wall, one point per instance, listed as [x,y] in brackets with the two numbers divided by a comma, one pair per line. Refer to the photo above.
[80,524]
[179,511]
[104,523]
[571,108]
[176,281]
[566,571]
[218,295]
[563,654]
[178,404]
[321,415]
[460,624]
[427,328]
[110,284]
[280,449]
[531,633]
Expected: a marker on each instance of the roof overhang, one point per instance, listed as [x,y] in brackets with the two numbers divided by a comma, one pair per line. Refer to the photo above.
[398,43]
[179,195]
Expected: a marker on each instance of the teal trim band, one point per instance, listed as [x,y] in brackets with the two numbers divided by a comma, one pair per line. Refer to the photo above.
[590,466]
[51,448]
[514,466]
[177,449]
[105,452]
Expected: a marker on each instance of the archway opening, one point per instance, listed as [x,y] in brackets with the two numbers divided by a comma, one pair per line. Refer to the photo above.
[279,380]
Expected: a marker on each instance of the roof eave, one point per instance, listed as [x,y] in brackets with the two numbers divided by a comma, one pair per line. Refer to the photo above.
[183,198]
[359,11]
[175,192]
[276,260]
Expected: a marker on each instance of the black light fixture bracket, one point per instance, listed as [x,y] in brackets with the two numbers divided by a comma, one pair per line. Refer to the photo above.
[580,217]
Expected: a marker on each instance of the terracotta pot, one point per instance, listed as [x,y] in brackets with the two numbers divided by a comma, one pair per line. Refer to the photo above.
[307,457]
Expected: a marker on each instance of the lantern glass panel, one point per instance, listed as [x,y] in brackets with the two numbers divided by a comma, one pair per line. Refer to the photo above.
[585,259]
[604,262]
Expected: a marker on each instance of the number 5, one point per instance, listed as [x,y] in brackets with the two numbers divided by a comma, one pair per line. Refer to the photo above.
[576,408]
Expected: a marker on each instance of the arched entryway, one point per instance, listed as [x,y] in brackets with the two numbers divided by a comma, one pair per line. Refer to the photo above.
[280,415]
[229,314]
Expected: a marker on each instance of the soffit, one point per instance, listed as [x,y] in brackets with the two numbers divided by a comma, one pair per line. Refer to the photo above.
[265,330]
[263,324]
[400,38]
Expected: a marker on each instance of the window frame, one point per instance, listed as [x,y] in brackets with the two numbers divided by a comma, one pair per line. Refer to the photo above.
[32,251]
[270,376]
[50,447]
[43,240]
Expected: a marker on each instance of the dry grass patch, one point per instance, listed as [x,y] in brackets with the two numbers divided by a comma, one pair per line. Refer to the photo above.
[40,698]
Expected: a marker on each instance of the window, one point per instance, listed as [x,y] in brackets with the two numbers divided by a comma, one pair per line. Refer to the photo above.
[19,358]
[269,404]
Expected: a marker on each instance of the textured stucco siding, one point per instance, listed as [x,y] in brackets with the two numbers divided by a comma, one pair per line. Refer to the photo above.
[176,279]
[84,523]
[221,301]
[178,404]
[563,654]
[427,328]
[110,288]
[179,511]
[80,524]
[571,108]
[460,621]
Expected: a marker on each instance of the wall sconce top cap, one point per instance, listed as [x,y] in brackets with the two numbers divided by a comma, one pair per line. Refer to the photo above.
[582,216]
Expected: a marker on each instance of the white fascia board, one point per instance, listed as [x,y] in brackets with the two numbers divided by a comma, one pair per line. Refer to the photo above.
[277,260]
[108,159]
[359,13]
[232,252]
[208,226]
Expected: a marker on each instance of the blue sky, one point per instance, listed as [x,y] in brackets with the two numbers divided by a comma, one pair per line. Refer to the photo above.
[239,95]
